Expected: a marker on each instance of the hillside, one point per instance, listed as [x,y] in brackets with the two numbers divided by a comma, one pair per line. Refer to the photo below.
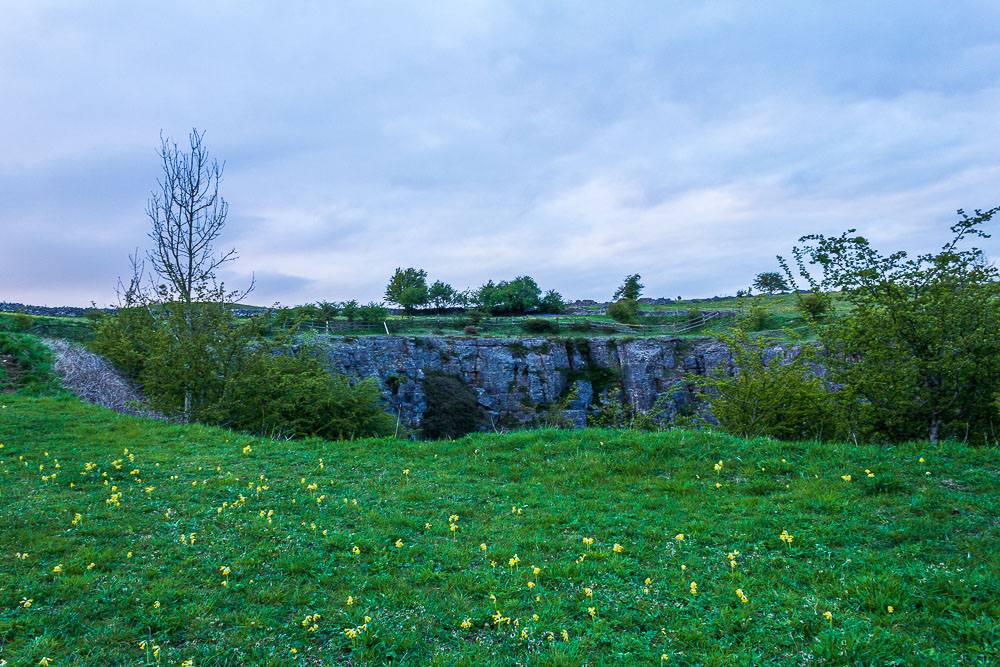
[119,534]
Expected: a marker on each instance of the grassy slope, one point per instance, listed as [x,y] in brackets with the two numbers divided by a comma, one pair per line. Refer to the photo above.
[924,544]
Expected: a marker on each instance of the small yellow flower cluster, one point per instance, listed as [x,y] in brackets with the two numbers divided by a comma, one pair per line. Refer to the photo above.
[618,548]
[786,537]
[732,558]
[514,560]
[588,541]
[466,624]
[310,622]
[694,588]
[846,478]
[869,473]
[741,596]
[149,645]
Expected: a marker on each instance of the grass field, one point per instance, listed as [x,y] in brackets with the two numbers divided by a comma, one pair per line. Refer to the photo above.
[127,541]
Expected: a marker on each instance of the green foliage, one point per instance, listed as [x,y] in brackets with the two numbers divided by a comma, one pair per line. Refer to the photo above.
[751,314]
[923,544]
[770,282]
[630,290]
[538,325]
[613,411]
[514,297]
[25,365]
[442,295]
[285,396]
[771,392]
[350,309]
[372,312]
[126,338]
[814,305]
[917,351]
[552,303]
[327,310]
[625,311]
[452,408]
[408,288]
[22,321]
[196,361]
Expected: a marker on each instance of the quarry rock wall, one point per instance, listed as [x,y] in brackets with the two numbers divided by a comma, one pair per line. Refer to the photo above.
[517,380]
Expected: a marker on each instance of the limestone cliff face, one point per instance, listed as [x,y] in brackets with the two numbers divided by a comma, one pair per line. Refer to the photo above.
[515,379]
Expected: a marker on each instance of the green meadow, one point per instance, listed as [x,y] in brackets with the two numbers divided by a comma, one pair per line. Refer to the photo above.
[126,541]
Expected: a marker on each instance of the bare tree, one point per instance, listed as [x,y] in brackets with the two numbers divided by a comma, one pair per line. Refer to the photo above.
[188,215]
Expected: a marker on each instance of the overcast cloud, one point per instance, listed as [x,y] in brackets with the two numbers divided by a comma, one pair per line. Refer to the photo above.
[573,142]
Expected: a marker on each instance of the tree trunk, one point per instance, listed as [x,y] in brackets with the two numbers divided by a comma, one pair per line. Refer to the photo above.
[935,433]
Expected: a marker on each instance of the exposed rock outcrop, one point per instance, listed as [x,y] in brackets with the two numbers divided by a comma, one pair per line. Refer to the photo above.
[517,380]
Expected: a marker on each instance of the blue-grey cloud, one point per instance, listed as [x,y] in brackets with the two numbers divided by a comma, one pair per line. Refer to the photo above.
[575,143]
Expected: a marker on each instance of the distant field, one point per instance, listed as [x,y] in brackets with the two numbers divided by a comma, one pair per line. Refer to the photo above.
[125,541]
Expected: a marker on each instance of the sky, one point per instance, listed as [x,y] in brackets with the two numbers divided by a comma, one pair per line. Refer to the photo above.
[577,143]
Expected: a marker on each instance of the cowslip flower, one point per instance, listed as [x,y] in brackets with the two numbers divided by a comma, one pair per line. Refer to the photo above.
[399,544]
[679,537]
[618,548]
[588,540]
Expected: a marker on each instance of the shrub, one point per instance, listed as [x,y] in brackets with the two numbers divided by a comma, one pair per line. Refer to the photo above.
[814,305]
[286,396]
[471,331]
[452,408]
[23,322]
[373,312]
[476,315]
[625,311]
[580,325]
[539,325]
[769,395]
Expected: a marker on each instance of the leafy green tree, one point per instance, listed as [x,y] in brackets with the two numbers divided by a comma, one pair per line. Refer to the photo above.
[630,289]
[408,288]
[349,309]
[916,350]
[514,297]
[442,295]
[552,303]
[770,282]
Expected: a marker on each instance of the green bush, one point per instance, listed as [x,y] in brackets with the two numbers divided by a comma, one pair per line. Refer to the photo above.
[23,322]
[285,396]
[769,395]
[625,311]
[198,362]
[452,408]
[814,305]
[373,312]
[539,325]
